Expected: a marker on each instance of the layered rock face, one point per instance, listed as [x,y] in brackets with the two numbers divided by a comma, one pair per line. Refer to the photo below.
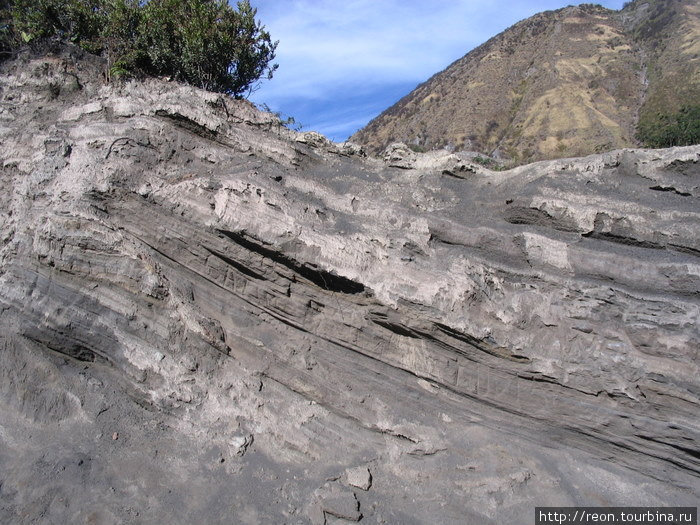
[208,318]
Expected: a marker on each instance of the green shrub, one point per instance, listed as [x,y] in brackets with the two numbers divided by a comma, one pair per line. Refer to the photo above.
[488,162]
[663,131]
[122,44]
[206,43]
[8,36]
[417,148]
[76,21]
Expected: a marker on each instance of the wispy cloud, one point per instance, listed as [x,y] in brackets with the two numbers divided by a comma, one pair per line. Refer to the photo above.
[334,54]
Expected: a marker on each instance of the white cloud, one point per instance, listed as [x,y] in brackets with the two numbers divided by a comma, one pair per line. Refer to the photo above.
[334,51]
[364,41]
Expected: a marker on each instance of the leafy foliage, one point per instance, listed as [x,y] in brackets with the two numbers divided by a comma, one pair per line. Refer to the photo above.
[680,129]
[8,37]
[206,43]
[417,148]
[283,120]
[489,163]
[76,21]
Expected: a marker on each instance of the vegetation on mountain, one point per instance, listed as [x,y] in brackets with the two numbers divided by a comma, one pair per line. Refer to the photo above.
[564,83]
[6,33]
[206,43]
[680,129]
[668,33]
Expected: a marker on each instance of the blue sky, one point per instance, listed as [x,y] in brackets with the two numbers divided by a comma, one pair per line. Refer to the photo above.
[342,62]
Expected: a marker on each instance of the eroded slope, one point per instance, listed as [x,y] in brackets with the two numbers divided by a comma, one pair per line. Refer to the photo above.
[208,317]
[562,83]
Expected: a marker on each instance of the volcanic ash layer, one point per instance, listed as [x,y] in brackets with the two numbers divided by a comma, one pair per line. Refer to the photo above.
[208,318]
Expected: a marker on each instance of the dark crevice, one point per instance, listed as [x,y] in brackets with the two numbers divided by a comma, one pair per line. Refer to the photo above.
[541,378]
[536,217]
[126,140]
[615,442]
[685,249]
[186,123]
[436,238]
[398,435]
[235,264]
[694,453]
[459,173]
[242,297]
[619,239]
[397,328]
[479,344]
[421,453]
[65,345]
[460,336]
[321,278]
[671,189]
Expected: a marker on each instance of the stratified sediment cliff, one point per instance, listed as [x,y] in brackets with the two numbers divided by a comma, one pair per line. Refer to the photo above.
[208,318]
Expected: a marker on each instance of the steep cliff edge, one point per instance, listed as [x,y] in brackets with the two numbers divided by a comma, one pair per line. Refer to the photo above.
[205,317]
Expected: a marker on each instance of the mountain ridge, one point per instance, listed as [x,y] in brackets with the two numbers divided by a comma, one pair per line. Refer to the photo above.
[562,83]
